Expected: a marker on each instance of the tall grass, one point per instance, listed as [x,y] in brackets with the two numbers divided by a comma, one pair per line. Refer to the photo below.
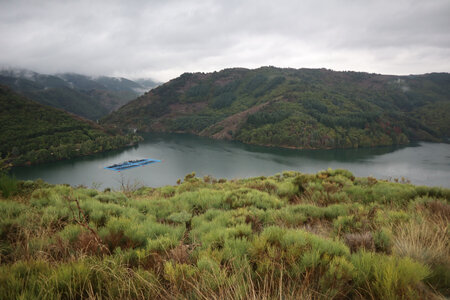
[288,236]
[8,185]
[427,242]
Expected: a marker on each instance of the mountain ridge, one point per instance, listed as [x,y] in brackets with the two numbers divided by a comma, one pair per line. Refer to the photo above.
[88,96]
[304,108]
[34,133]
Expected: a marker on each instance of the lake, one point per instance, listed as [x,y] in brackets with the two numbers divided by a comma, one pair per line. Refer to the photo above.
[421,163]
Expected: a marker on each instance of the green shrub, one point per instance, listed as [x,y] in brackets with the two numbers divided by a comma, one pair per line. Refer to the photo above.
[211,275]
[11,210]
[338,279]
[180,217]
[239,238]
[199,201]
[56,215]
[383,240]
[345,224]
[250,197]
[360,194]
[287,217]
[236,250]
[336,210]
[167,191]
[111,197]
[296,250]
[162,243]
[393,193]
[388,277]
[435,192]
[341,172]
[71,232]
[124,233]
[23,279]
[8,185]
[85,193]
[179,274]
[391,217]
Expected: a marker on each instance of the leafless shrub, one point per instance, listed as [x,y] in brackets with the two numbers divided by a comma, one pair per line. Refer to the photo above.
[128,187]
[356,241]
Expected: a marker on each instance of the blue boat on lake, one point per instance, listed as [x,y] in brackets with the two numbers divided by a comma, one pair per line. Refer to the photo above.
[132,164]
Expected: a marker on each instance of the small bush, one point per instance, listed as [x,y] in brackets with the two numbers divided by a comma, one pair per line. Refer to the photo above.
[8,185]
[383,240]
[112,197]
[180,217]
[179,274]
[356,241]
[345,224]
[338,279]
[388,277]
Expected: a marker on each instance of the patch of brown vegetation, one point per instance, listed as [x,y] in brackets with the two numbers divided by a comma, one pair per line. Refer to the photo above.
[256,224]
[154,261]
[177,110]
[118,239]
[356,241]
[439,209]
[58,250]
[87,243]
[231,124]
[180,254]
[185,108]
[222,81]
[263,186]
[195,79]
[318,226]
[331,187]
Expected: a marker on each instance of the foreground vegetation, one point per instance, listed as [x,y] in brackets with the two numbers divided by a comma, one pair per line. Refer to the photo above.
[304,108]
[33,133]
[288,236]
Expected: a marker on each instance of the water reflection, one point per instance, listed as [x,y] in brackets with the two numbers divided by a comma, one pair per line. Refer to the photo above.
[424,163]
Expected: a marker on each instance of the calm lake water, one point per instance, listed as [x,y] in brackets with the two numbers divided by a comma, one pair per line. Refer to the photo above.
[422,164]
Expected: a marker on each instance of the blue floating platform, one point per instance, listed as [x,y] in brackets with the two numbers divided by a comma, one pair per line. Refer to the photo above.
[132,164]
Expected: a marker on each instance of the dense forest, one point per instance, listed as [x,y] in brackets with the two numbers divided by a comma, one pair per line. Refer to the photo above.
[89,97]
[33,133]
[298,108]
[289,236]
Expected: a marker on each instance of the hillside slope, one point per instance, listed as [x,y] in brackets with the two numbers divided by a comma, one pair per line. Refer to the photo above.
[34,133]
[290,236]
[304,108]
[89,97]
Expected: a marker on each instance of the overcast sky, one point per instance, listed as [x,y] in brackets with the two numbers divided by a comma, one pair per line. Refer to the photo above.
[162,39]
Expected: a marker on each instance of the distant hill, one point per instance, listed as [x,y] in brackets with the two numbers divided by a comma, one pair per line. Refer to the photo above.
[90,97]
[147,84]
[298,108]
[34,133]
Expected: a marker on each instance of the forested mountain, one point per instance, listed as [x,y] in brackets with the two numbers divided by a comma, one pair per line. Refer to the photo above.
[89,97]
[34,133]
[299,108]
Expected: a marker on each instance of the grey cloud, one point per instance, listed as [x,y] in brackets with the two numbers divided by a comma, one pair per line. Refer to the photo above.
[162,39]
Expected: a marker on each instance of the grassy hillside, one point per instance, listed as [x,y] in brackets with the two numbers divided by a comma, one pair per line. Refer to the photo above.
[82,95]
[34,133]
[288,236]
[304,108]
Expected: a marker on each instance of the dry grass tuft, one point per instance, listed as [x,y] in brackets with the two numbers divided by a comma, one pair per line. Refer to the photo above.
[180,254]
[439,209]
[356,241]
[426,242]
